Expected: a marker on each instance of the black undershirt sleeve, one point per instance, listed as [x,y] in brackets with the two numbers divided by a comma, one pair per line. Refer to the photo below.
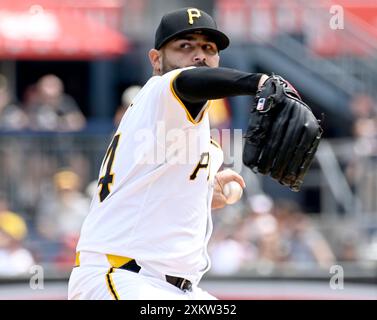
[195,86]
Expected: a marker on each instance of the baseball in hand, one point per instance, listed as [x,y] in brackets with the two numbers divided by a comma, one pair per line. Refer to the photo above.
[232,192]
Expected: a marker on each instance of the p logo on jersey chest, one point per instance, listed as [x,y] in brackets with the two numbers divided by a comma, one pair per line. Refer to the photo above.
[202,164]
[193,13]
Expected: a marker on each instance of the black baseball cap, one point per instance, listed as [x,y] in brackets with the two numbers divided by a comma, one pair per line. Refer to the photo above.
[189,20]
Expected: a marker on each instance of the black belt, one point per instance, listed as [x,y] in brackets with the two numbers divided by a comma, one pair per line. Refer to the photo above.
[180,283]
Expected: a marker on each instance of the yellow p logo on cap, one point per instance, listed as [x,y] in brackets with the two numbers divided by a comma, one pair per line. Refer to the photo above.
[193,13]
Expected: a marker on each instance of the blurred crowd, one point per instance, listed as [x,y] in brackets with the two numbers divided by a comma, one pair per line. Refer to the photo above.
[45,107]
[264,235]
[50,236]
[47,184]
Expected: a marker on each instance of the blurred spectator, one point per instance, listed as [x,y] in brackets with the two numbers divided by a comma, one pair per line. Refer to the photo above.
[263,229]
[127,97]
[363,106]
[230,250]
[304,244]
[364,109]
[60,214]
[11,116]
[14,258]
[348,248]
[51,109]
[227,256]
[362,164]
[219,114]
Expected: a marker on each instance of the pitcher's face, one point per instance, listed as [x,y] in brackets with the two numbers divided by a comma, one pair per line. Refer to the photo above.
[185,51]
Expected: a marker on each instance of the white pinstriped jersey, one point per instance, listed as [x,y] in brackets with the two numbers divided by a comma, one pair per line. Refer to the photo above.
[155,186]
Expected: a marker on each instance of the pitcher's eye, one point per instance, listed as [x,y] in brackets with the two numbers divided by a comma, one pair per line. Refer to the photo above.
[209,48]
[185,45]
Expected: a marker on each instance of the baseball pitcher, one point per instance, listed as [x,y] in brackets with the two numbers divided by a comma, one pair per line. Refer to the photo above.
[149,224]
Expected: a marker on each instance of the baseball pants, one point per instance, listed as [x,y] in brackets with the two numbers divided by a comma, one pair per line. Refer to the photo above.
[96,279]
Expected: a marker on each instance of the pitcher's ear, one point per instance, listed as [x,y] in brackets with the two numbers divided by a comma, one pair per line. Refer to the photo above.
[154,58]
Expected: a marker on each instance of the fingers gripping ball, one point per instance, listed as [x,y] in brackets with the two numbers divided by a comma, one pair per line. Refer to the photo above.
[232,192]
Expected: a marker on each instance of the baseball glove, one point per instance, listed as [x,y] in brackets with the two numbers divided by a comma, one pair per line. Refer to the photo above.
[282,135]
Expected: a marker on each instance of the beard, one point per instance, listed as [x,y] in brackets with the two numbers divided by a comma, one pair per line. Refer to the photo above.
[166,66]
